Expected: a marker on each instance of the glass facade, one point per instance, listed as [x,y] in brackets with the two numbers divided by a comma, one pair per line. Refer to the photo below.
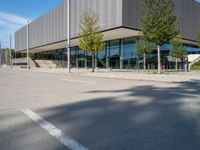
[113,53]
[102,57]
[129,54]
[117,54]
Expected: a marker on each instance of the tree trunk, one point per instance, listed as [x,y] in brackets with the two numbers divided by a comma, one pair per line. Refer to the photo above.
[93,61]
[159,62]
[176,64]
[144,67]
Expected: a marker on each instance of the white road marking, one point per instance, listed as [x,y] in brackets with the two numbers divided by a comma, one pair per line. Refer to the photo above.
[52,130]
[78,81]
[185,94]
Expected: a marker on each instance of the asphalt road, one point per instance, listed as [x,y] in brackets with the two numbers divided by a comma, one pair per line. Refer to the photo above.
[41,111]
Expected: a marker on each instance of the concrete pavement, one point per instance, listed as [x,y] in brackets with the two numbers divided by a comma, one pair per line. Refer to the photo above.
[97,113]
[192,77]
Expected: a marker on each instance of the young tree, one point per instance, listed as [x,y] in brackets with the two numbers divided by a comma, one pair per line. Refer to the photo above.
[177,51]
[143,48]
[91,38]
[158,23]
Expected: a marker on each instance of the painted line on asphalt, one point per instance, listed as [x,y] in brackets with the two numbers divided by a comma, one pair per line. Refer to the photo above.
[78,81]
[53,131]
[185,94]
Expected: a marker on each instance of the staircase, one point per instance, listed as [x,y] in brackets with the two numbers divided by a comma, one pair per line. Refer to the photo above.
[192,59]
[22,62]
[102,63]
[45,64]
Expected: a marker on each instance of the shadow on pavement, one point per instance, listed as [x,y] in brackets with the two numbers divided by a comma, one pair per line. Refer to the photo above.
[17,132]
[149,118]
[145,118]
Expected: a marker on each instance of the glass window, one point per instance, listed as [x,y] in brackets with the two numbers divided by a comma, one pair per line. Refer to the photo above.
[129,53]
[114,51]
[192,49]
[114,48]
[129,49]
[101,58]
[80,58]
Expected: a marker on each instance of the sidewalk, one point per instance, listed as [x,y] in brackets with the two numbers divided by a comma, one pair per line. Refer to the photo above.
[193,77]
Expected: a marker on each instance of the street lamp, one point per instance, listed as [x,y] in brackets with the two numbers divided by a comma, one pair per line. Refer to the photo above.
[27,42]
[68,35]
[10,50]
[0,54]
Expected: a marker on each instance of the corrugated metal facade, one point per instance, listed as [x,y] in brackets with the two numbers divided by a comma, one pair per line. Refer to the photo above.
[187,11]
[52,26]
[49,28]
[109,12]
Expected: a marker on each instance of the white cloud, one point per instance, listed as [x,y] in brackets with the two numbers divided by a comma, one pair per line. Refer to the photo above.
[9,23]
[12,18]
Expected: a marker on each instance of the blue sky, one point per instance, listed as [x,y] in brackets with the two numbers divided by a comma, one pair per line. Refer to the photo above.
[15,13]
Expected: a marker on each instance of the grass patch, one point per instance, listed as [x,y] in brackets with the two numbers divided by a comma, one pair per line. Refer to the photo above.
[196,66]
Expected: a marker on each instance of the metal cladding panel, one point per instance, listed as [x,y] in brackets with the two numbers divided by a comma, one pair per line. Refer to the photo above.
[109,12]
[21,39]
[48,28]
[187,11]
[52,26]
[189,16]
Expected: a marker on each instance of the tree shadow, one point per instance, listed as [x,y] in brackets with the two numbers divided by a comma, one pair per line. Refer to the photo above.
[149,118]
[142,118]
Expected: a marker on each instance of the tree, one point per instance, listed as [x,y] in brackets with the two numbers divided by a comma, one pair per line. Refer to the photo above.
[158,23]
[143,48]
[91,38]
[178,50]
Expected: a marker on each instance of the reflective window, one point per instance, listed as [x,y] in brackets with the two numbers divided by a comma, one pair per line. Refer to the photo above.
[192,49]
[81,58]
[114,49]
[129,48]
[101,58]
[129,53]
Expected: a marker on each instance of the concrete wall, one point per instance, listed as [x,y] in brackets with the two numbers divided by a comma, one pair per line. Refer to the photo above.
[187,11]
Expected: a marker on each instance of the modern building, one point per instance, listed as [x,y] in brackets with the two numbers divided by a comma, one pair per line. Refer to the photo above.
[118,20]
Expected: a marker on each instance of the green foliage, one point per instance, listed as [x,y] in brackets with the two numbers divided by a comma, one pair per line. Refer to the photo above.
[196,66]
[143,46]
[159,22]
[5,55]
[91,39]
[178,49]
